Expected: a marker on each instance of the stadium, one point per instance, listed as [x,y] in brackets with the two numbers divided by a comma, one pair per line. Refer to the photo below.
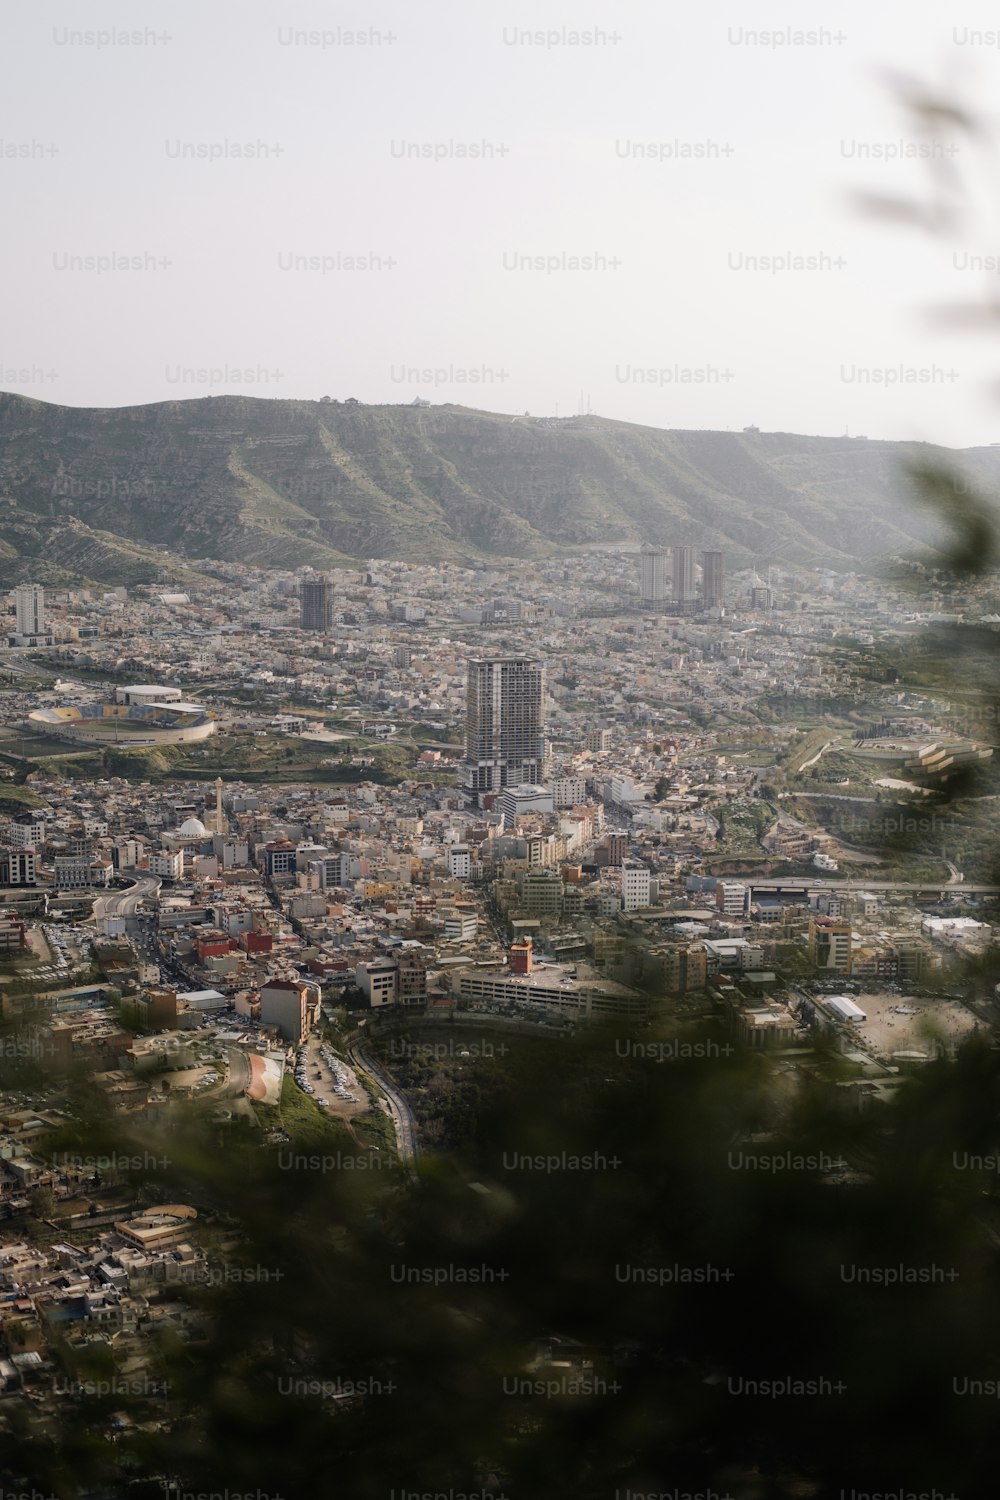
[132,725]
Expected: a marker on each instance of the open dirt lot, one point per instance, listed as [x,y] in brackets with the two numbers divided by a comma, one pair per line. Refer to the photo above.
[887,1031]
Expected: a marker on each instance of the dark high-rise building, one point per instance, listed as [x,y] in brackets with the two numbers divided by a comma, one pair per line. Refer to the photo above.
[683,574]
[316,598]
[713,578]
[504,723]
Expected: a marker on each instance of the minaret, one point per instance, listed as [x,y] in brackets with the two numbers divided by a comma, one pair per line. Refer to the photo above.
[220,825]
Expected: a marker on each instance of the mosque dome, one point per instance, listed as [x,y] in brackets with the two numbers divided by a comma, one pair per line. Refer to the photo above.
[193,828]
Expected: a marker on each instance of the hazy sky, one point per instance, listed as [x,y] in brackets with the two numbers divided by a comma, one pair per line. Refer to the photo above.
[149,256]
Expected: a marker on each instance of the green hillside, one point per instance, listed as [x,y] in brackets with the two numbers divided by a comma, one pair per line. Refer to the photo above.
[126,493]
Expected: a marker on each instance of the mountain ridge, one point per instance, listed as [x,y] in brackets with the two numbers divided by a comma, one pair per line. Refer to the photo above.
[105,492]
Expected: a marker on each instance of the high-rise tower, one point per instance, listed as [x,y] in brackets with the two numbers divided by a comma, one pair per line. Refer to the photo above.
[29,603]
[683,574]
[713,578]
[504,723]
[653,573]
[316,596]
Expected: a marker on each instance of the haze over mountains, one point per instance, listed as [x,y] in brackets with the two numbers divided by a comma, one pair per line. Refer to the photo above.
[107,494]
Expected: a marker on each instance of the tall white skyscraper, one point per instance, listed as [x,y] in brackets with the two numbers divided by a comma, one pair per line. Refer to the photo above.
[29,602]
[653,573]
[504,724]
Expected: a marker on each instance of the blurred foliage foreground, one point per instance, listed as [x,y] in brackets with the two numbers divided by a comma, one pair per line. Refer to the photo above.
[641,1275]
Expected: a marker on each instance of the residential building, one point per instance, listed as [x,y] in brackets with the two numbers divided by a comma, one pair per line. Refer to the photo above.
[460,924]
[653,573]
[731,898]
[684,968]
[17,867]
[126,853]
[597,741]
[569,791]
[167,863]
[713,578]
[683,590]
[830,944]
[411,980]
[504,724]
[29,606]
[316,600]
[13,934]
[378,981]
[636,886]
[27,830]
[285,1003]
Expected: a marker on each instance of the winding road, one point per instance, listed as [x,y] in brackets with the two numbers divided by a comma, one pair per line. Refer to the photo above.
[403,1117]
[124,903]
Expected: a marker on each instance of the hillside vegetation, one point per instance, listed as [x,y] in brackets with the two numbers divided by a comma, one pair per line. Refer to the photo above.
[138,492]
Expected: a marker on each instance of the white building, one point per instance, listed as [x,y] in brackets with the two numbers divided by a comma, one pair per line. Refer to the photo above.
[17,867]
[621,790]
[637,883]
[29,604]
[731,898]
[527,797]
[27,831]
[569,791]
[459,861]
[235,854]
[378,981]
[844,1009]
[460,926]
[335,870]
[126,853]
[167,863]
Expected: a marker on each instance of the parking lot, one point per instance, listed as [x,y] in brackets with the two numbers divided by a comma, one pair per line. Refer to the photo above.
[68,950]
[330,1081]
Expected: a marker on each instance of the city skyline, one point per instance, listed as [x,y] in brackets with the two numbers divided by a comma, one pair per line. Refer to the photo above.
[499,780]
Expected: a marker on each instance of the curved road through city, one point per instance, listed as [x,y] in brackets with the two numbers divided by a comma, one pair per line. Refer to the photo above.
[124,903]
[402,1115]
